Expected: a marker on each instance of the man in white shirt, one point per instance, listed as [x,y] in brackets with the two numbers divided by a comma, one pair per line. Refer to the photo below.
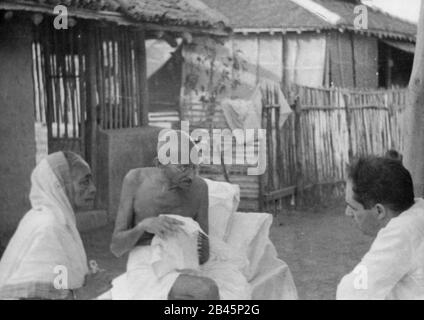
[380,198]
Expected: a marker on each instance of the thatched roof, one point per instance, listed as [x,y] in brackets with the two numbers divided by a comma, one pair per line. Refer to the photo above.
[183,13]
[296,15]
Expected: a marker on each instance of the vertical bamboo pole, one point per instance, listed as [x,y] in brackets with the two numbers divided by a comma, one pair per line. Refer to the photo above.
[82,89]
[46,40]
[55,77]
[42,77]
[142,60]
[298,150]
[72,84]
[109,83]
[132,92]
[116,81]
[38,87]
[91,92]
[269,139]
[125,85]
[100,78]
[349,128]
[136,77]
[61,67]
[262,178]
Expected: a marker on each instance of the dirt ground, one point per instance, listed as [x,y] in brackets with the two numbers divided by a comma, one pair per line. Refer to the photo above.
[320,245]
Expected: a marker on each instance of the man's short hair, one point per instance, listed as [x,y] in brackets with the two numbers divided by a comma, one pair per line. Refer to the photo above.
[393,154]
[381,180]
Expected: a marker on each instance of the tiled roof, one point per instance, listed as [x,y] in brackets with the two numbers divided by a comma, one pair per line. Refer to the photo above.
[288,15]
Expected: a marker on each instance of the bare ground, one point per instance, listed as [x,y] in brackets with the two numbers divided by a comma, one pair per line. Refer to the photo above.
[320,246]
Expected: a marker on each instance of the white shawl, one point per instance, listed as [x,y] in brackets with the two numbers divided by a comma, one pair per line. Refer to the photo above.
[46,252]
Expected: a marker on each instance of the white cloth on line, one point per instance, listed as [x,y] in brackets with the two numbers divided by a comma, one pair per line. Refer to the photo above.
[246,112]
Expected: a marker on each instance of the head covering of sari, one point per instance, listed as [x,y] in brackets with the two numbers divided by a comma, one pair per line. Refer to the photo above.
[46,252]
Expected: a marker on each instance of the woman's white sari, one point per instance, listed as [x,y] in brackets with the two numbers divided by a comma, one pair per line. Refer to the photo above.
[45,256]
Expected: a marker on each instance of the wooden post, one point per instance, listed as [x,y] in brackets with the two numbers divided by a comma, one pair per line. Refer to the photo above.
[46,40]
[280,171]
[144,108]
[270,147]
[284,78]
[349,128]
[298,150]
[82,88]
[262,178]
[100,80]
[389,66]
[413,128]
[91,98]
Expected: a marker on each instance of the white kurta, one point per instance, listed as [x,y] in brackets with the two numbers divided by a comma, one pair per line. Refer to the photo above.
[394,266]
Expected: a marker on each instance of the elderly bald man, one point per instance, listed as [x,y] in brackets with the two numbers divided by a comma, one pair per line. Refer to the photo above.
[146,194]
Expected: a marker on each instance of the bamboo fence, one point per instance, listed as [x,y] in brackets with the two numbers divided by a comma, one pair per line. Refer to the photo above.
[62,66]
[312,149]
[338,124]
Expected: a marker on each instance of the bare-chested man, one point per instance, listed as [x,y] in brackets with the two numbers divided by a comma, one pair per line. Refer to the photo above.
[165,189]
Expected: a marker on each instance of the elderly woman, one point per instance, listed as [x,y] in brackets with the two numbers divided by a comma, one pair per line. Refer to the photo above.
[45,258]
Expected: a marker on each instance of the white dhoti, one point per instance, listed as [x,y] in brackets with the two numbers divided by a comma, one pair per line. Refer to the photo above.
[152,270]
[140,282]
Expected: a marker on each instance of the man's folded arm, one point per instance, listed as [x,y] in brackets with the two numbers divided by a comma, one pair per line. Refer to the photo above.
[386,263]
[125,235]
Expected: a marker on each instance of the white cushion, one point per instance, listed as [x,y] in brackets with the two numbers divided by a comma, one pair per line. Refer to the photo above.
[224,199]
[249,234]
